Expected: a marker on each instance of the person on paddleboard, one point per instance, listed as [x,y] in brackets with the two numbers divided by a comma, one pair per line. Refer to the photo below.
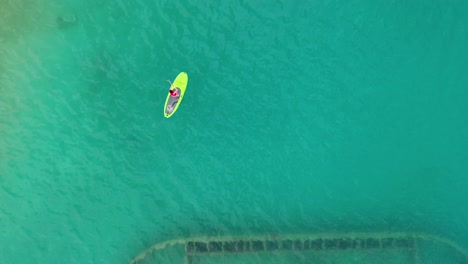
[173,92]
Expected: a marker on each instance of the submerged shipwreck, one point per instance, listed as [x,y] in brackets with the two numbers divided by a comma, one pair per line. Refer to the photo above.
[384,247]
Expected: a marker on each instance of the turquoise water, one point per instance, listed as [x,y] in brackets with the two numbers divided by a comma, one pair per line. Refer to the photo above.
[300,116]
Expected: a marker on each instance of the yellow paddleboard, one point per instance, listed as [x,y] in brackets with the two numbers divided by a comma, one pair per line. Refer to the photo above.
[172,103]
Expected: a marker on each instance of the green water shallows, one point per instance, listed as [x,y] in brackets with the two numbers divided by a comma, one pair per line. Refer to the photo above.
[313,116]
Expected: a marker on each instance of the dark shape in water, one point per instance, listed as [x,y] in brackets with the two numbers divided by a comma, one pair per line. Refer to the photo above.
[257,245]
[373,243]
[240,246]
[359,243]
[229,246]
[287,244]
[297,244]
[330,243]
[215,246]
[345,243]
[271,245]
[316,244]
[306,244]
[201,247]
[67,21]
[387,242]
